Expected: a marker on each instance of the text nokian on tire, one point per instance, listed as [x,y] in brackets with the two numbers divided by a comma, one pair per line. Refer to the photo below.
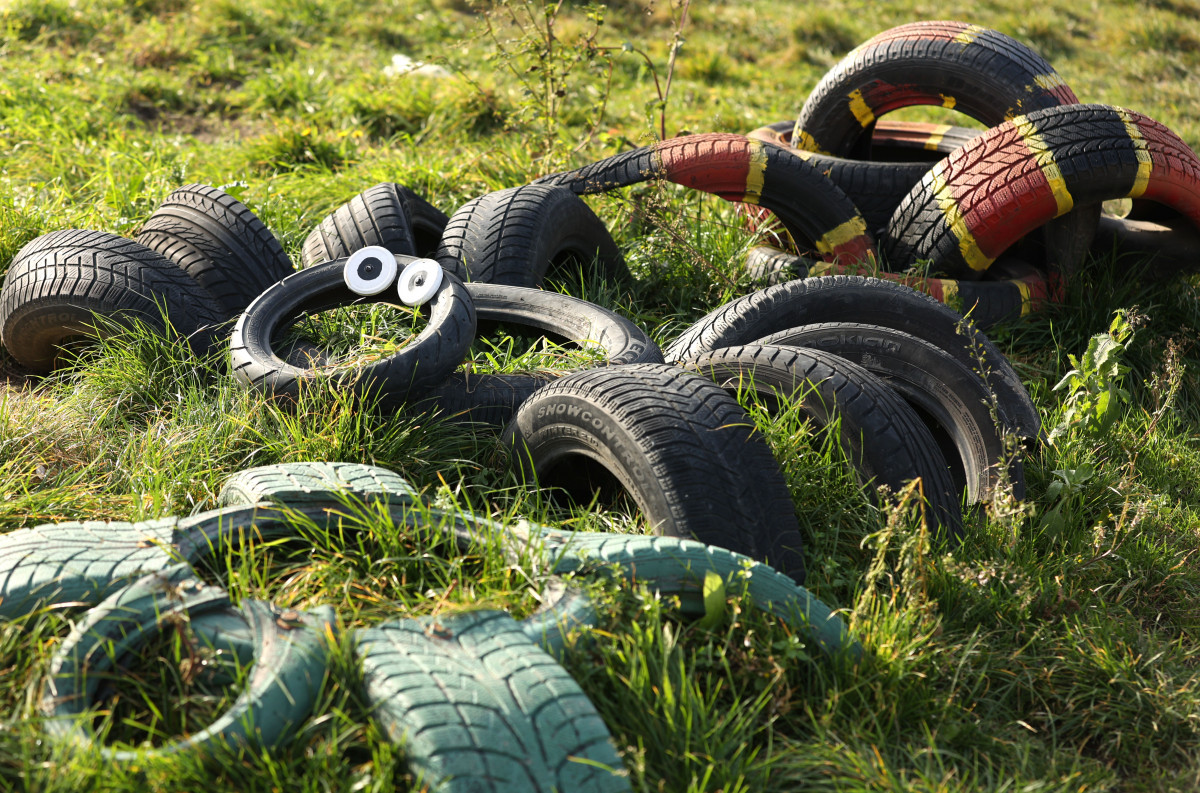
[58,282]
[676,442]
[882,437]
[493,398]
[425,361]
[1018,175]
[872,301]
[515,236]
[952,400]
[219,242]
[388,215]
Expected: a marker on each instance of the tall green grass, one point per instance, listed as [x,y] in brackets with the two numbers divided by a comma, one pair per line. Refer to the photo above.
[1053,651]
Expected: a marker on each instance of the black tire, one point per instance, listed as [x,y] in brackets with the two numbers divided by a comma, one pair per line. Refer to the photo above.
[1163,249]
[515,236]
[882,437]
[388,215]
[1018,175]
[493,398]
[677,443]
[58,282]
[419,366]
[870,301]
[219,242]
[952,400]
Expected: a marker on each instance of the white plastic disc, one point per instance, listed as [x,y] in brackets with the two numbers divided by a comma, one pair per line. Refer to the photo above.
[370,270]
[419,281]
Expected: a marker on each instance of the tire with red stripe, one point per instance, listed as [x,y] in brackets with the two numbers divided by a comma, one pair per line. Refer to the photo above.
[876,188]
[870,301]
[1019,288]
[737,168]
[970,207]
[977,71]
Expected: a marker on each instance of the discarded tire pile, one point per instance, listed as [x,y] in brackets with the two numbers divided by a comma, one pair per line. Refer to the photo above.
[916,391]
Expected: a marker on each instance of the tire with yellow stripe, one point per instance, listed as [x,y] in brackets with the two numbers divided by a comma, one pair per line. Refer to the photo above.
[876,188]
[973,205]
[1022,290]
[737,168]
[980,72]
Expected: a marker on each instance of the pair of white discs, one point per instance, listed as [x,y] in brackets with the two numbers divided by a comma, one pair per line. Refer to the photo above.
[372,269]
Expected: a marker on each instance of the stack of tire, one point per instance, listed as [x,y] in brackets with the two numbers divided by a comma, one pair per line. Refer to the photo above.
[198,261]
[952,204]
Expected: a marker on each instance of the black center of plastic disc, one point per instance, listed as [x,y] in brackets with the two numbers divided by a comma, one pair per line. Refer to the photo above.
[369,268]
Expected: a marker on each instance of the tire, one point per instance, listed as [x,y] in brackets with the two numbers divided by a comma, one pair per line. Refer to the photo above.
[952,400]
[680,446]
[814,211]
[58,282]
[388,215]
[288,673]
[290,484]
[891,141]
[882,437]
[979,72]
[1025,290]
[515,236]
[419,366]
[675,566]
[493,398]
[480,708]
[1162,249]
[982,73]
[219,242]
[974,204]
[870,301]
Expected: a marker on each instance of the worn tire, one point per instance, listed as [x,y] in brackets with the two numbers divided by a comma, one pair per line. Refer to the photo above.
[416,368]
[516,236]
[977,202]
[480,708]
[870,301]
[290,484]
[219,242]
[388,215]
[881,436]
[59,281]
[680,446]
[493,398]
[1162,249]
[952,400]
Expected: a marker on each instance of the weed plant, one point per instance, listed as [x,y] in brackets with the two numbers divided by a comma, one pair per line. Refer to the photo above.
[1053,651]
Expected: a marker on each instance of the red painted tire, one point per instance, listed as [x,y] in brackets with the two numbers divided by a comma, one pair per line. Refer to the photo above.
[971,206]
[812,209]
[982,73]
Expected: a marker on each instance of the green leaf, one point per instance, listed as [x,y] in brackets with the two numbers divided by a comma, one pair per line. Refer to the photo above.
[714,600]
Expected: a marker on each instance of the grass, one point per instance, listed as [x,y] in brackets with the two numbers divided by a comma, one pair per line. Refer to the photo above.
[1054,651]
